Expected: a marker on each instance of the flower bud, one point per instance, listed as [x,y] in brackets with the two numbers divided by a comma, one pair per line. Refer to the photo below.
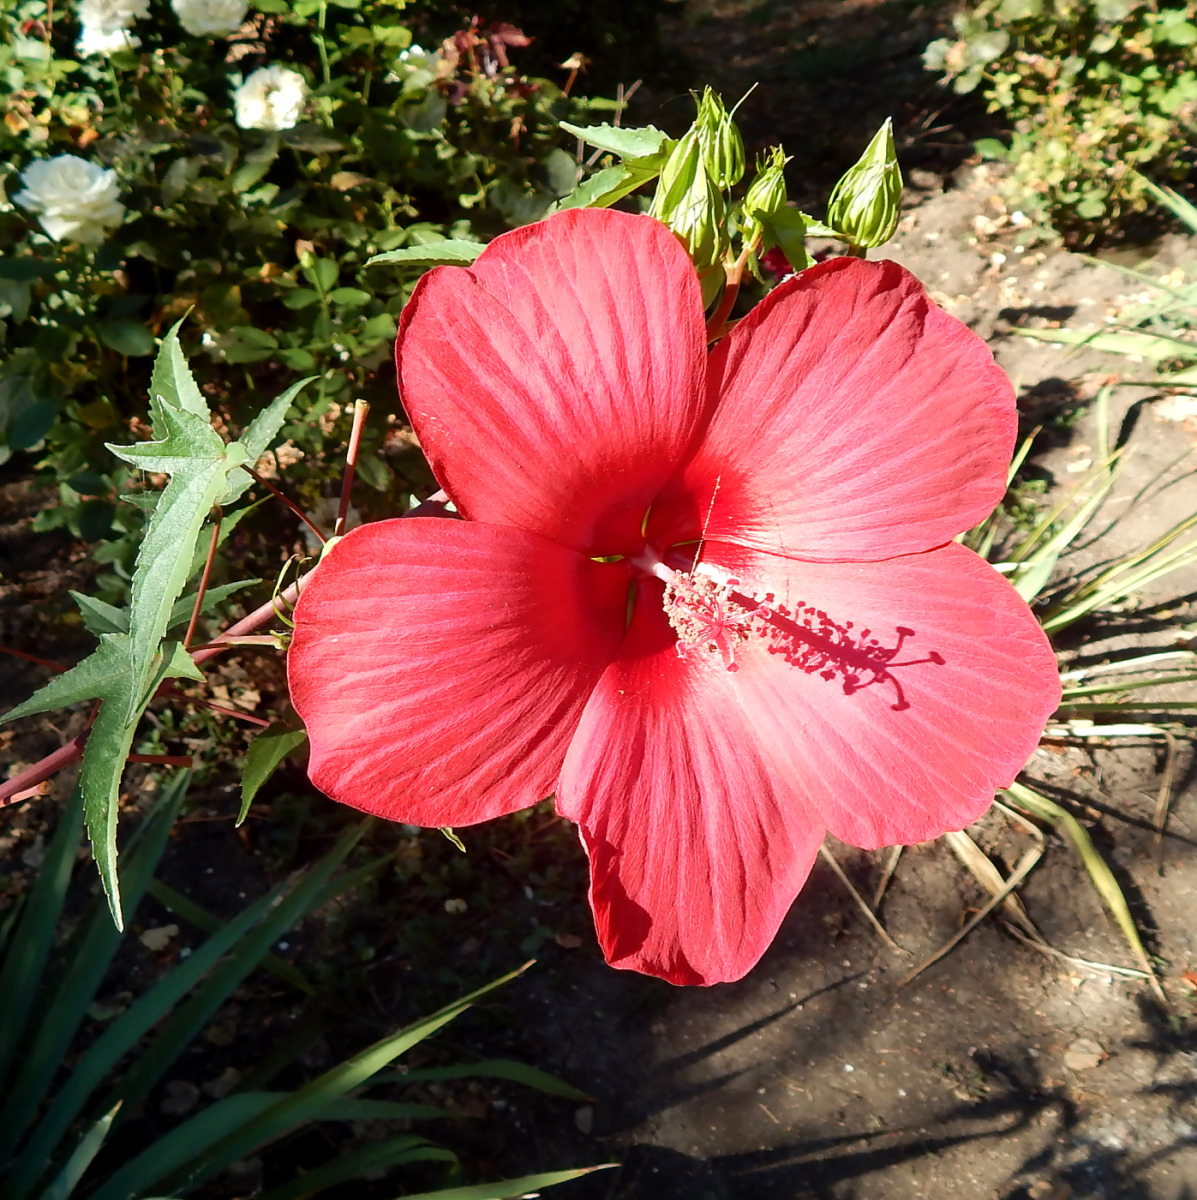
[720,141]
[767,192]
[769,223]
[864,204]
[688,201]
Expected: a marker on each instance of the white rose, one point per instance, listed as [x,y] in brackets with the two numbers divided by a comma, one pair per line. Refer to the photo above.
[210,18]
[74,199]
[416,67]
[104,24]
[271,98]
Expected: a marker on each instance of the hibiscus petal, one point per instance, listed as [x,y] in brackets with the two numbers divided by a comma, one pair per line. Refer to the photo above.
[441,666]
[856,421]
[557,383]
[895,696]
[697,848]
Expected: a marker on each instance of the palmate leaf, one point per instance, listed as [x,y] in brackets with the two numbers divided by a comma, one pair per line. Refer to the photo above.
[126,669]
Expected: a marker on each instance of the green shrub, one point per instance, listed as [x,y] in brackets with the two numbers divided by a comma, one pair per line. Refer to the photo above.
[1094,91]
[244,180]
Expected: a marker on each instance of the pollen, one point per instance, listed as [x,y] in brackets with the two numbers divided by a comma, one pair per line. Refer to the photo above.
[707,617]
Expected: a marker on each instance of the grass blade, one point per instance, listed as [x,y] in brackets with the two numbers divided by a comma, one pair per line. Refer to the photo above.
[393,1152]
[88,1147]
[203,920]
[27,953]
[179,1031]
[1103,879]
[510,1189]
[309,1101]
[85,962]
[492,1068]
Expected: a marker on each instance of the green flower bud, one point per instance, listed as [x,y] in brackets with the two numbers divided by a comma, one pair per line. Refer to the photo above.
[767,192]
[864,204]
[688,201]
[722,146]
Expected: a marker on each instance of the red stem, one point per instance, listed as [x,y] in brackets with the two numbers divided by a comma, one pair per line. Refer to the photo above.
[33,658]
[203,584]
[287,501]
[360,410]
[25,784]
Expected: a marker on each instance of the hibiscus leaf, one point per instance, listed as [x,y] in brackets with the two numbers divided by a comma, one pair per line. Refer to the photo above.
[262,758]
[607,186]
[131,662]
[646,142]
[256,439]
[451,252]
[171,377]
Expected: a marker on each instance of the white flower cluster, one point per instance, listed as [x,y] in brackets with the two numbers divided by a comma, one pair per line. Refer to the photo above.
[75,200]
[104,25]
[210,18]
[271,98]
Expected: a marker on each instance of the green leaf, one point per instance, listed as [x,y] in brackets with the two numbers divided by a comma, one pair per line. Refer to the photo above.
[172,377]
[379,1156]
[126,668]
[1102,878]
[493,1068]
[443,252]
[646,142]
[256,439]
[606,187]
[350,297]
[29,950]
[323,272]
[309,1101]
[265,753]
[509,1189]
[87,1148]
[180,614]
[301,297]
[98,617]
[130,338]
[85,961]
[204,921]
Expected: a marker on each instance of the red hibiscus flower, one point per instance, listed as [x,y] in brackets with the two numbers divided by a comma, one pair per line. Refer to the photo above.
[709,601]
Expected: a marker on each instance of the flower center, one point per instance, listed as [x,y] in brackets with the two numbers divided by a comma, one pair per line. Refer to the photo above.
[713,616]
[703,609]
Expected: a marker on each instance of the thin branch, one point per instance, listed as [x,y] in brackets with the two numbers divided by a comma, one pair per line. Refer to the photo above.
[360,411]
[203,583]
[24,784]
[33,658]
[869,915]
[287,501]
[1021,871]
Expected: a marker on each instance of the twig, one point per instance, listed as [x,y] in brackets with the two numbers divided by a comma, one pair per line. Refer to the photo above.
[24,784]
[33,658]
[203,583]
[1024,868]
[360,411]
[287,501]
[887,874]
[870,916]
